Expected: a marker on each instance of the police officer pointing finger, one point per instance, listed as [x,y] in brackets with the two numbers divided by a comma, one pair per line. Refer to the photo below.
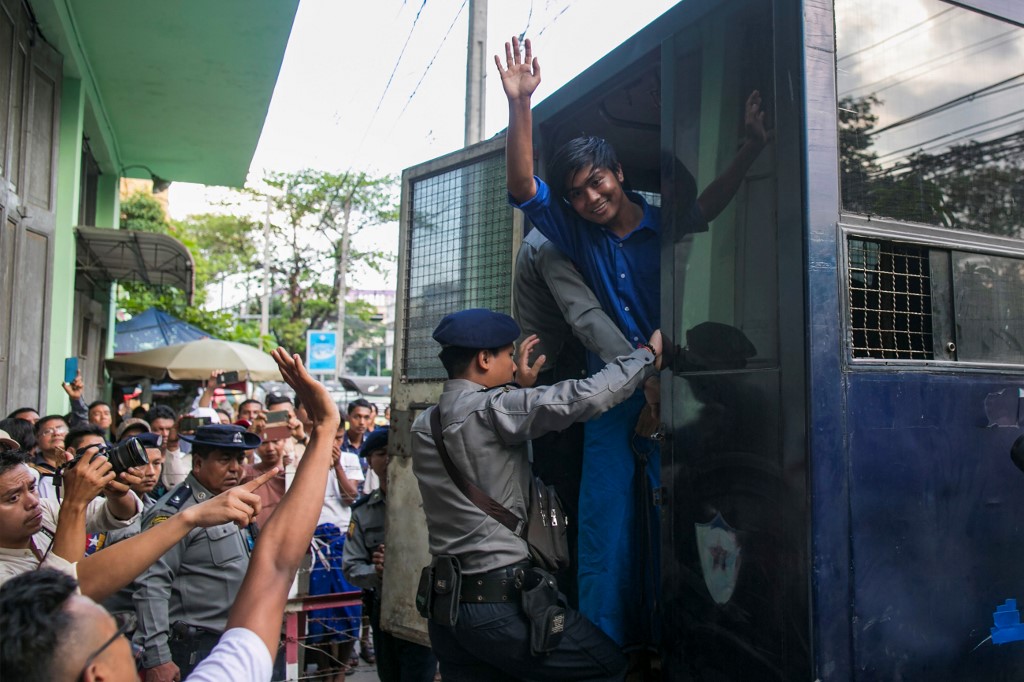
[182,600]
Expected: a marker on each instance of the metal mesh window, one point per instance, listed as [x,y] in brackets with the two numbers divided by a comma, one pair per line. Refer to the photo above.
[890,300]
[460,255]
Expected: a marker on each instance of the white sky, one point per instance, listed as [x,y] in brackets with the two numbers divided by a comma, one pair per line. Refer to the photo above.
[324,113]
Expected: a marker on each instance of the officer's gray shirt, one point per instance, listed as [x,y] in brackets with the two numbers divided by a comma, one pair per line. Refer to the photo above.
[550,299]
[485,432]
[195,581]
[365,534]
[121,601]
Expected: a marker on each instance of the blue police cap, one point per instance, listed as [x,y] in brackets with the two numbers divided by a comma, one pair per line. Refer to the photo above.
[476,328]
[374,440]
[148,440]
[224,437]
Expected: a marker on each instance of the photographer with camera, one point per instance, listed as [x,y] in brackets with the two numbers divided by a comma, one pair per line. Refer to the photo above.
[38,532]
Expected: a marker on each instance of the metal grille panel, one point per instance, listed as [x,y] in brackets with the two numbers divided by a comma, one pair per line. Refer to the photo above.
[890,300]
[460,255]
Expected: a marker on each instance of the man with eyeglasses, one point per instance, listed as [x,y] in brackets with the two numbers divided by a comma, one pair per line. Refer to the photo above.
[50,432]
[40,613]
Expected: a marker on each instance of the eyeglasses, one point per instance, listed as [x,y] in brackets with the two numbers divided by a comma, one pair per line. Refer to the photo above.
[122,628]
[54,431]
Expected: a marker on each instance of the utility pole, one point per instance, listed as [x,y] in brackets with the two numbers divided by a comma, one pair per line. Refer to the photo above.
[339,367]
[265,303]
[476,71]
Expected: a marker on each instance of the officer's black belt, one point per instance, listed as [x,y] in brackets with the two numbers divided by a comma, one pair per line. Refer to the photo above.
[494,587]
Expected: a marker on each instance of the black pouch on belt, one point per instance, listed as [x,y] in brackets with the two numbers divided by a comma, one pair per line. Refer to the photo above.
[446,587]
[425,591]
[543,610]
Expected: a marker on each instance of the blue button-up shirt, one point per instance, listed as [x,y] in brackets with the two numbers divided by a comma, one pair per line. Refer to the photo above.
[624,272]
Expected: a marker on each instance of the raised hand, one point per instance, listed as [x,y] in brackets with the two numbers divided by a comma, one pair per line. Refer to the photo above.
[753,119]
[319,404]
[526,374]
[521,74]
[76,388]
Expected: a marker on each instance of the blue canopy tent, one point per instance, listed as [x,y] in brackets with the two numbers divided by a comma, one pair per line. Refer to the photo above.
[153,329]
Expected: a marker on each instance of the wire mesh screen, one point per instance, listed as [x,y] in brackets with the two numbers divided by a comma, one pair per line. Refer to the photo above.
[460,255]
[890,300]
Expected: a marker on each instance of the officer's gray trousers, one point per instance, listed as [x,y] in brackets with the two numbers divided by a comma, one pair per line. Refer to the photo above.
[491,642]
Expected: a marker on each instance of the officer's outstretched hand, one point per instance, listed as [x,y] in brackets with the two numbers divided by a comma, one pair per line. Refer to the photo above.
[526,374]
[521,75]
[238,505]
[657,344]
[318,402]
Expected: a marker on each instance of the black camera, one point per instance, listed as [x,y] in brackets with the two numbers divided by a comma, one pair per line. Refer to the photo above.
[124,455]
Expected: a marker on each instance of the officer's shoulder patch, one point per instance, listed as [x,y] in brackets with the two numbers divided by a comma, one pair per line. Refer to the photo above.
[179,496]
[360,502]
[157,520]
[351,529]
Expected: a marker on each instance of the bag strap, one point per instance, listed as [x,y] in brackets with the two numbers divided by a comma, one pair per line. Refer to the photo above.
[482,500]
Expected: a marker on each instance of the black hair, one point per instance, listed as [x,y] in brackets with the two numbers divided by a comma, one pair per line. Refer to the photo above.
[278,399]
[37,429]
[35,622]
[224,413]
[456,359]
[14,415]
[20,430]
[8,460]
[97,403]
[161,412]
[139,413]
[246,402]
[577,154]
[80,431]
[359,402]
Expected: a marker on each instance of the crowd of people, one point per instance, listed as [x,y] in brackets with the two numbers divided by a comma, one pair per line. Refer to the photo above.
[158,517]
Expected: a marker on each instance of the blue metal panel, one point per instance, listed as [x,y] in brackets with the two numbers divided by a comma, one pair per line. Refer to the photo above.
[936,509]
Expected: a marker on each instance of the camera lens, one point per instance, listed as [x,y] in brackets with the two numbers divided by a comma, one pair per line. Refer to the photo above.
[126,454]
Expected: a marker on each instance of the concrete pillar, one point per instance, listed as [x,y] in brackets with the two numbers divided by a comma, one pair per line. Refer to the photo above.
[69,170]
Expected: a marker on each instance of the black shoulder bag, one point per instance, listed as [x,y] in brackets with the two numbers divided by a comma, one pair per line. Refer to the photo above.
[545,526]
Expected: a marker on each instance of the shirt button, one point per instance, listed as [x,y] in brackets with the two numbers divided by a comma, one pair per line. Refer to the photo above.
[626,308]
[622,275]
[620,245]
[636,338]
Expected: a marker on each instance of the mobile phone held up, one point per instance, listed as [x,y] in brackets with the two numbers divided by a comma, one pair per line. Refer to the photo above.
[227,378]
[70,370]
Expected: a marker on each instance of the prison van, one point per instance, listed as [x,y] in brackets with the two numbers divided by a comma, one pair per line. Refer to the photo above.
[841,503]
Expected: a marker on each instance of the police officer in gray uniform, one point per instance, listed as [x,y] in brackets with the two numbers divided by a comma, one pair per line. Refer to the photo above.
[182,600]
[485,423]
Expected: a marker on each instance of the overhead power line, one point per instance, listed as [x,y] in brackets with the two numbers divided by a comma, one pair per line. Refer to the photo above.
[431,62]
[895,35]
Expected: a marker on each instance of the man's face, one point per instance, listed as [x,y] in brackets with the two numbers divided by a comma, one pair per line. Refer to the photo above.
[271,451]
[92,621]
[88,445]
[379,463]
[151,472]
[220,470]
[20,514]
[100,416]
[359,421]
[596,194]
[250,411]
[164,428]
[504,365]
[31,416]
[51,436]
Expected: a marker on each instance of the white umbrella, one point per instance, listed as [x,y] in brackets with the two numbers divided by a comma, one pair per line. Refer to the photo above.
[195,360]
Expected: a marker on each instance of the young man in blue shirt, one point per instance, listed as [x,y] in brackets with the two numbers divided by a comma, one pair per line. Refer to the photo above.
[614,239]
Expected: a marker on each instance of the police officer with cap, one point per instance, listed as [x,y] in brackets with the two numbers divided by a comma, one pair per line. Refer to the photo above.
[486,420]
[182,600]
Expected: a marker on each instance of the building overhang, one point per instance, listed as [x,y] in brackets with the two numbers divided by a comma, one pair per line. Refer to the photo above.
[181,88]
[104,255]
